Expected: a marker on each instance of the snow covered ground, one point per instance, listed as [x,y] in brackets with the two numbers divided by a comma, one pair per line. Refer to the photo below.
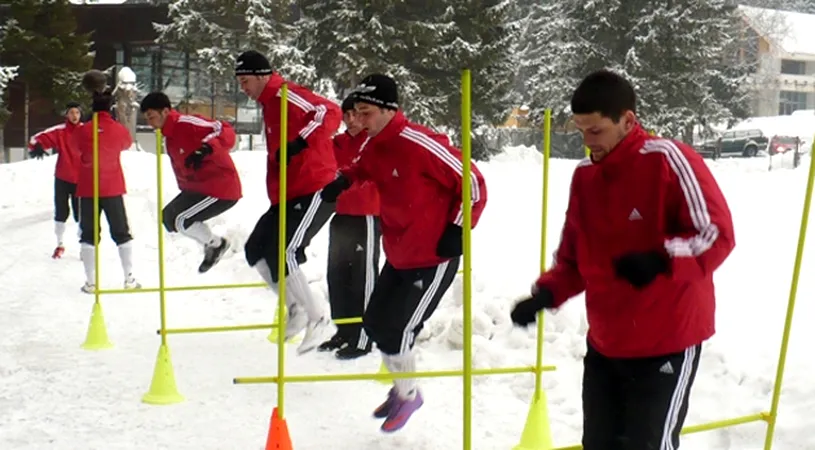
[55,395]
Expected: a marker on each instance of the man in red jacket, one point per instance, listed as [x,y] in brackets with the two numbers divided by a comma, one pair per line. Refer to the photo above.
[66,172]
[312,121]
[646,227]
[353,246]
[209,183]
[114,138]
[418,174]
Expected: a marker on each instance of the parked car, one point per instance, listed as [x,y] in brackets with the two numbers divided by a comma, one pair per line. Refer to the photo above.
[747,143]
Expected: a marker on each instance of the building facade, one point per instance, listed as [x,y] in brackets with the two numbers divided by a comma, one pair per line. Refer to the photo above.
[179,74]
[782,46]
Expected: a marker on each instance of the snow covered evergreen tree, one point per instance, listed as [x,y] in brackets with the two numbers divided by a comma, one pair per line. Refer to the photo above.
[219,30]
[349,39]
[7,74]
[543,56]
[40,38]
[673,51]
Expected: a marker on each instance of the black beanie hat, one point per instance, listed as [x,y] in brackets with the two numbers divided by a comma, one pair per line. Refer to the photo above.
[348,103]
[102,101]
[379,90]
[71,105]
[252,63]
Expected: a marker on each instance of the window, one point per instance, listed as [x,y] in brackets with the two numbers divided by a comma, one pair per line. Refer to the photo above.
[790,101]
[174,74]
[793,67]
[144,61]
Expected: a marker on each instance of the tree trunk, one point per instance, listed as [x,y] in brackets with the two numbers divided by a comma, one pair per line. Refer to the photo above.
[25,122]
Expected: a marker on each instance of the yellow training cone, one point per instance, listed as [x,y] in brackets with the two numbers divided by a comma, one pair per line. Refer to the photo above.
[163,390]
[273,335]
[97,338]
[536,434]
[383,369]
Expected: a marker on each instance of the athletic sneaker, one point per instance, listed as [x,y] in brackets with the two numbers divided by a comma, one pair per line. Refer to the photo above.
[400,412]
[213,254]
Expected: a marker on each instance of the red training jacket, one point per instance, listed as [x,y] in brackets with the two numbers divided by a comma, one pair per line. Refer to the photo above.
[56,138]
[418,175]
[361,199]
[217,176]
[648,193]
[315,119]
[113,139]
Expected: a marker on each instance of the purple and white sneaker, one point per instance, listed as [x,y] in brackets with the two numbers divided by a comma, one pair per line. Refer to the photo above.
[400,412]
[384,409]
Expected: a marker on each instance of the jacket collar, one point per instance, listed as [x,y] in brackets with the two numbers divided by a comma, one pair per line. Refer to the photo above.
[169,124]
[391,130]
[272,88]
[631,143]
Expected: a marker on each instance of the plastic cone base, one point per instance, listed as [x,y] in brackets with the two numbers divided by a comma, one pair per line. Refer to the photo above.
[163,390]
[382,370]
[278,438]
[536,434]
[273,336]
[97,337]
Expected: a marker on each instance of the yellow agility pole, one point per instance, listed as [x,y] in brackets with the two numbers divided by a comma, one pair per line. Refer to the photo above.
[281,250]
[184,288]
[260,326]
[388,376]
[163,389]
[785,339]
[466,204]
[536,434]
[97,335]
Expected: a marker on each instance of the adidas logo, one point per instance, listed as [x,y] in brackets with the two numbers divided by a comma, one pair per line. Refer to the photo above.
[667,368]
[635,215]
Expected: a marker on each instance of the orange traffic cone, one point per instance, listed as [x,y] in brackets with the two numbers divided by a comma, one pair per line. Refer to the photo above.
[278,438]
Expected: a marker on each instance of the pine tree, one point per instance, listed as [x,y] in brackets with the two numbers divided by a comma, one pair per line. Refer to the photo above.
[217,31]
[673,52]
[7,74]
[543,55]
[40,37]
[480,39]
[334,35]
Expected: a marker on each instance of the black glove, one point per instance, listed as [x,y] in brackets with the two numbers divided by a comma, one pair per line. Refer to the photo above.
[196,158]
[37,152]
[640,268]
[525,311]
[333,189]
[450,244]
[292,149]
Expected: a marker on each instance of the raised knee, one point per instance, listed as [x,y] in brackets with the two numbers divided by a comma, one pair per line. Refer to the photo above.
[168,219]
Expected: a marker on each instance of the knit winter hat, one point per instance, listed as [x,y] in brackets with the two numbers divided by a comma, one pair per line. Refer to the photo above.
[348,103]
[252,63]
[102,101]
[379,90]
[71,105]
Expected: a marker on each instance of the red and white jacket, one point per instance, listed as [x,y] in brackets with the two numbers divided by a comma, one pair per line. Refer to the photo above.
[114,138]
[419,178]
[312,117]
[217,176]
[362,198]
[647,194]
[56,138]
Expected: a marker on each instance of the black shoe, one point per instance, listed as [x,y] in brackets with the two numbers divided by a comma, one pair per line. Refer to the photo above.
[336,342]
[212,255]
[351,352]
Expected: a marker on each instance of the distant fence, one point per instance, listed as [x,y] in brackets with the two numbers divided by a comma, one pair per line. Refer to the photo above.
[564,145]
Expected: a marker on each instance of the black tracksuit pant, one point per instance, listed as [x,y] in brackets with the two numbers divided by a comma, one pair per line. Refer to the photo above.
[402,301]
[353,269]
[114,209]
[636,403]
[65,201]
